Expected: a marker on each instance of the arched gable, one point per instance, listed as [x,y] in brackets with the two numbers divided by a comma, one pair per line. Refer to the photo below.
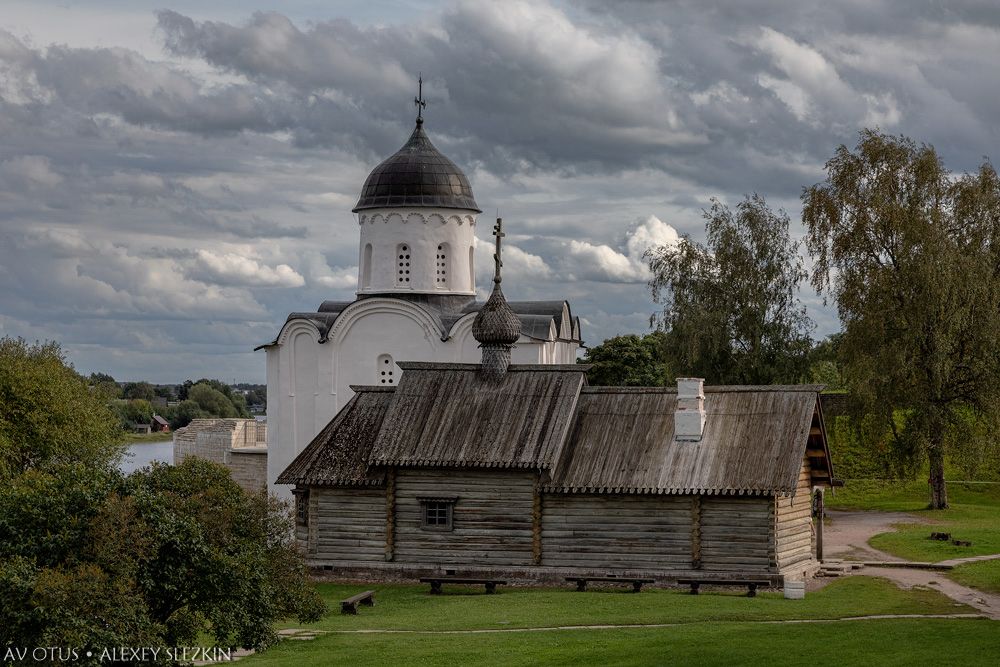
[363,307]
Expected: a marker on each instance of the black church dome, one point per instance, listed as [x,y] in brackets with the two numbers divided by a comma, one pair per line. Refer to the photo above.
[417,175]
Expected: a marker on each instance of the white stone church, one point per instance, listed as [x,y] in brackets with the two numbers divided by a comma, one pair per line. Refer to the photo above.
[416,301]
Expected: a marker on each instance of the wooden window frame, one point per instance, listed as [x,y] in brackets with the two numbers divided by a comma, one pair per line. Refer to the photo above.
[444,514]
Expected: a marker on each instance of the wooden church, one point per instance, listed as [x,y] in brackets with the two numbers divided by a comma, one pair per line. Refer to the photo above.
[526,472]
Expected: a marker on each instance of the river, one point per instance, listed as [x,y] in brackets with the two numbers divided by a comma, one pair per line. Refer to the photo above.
[144,453]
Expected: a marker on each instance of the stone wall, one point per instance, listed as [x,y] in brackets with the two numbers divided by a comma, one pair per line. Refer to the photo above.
[238,444]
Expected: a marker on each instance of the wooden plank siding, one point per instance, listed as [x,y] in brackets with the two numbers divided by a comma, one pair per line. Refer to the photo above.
[616,531]
[346,525]
[491,522]
[736,533]
[793,530]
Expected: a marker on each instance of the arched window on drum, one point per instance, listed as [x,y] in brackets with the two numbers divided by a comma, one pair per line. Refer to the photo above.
[366,267]
[385,370]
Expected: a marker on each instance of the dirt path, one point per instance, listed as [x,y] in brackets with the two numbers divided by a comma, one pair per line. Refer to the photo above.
[846,538]
[847,535]
[986,603]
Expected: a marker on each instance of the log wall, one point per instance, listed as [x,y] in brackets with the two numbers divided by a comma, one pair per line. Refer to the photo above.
[491,521]
[793,533]
[345,525]
[736,533]
[657,532]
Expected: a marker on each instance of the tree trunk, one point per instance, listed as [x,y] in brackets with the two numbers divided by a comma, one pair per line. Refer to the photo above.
[939,493]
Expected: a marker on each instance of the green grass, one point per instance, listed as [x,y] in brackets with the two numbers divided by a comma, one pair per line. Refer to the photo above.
[984,575]
[140,438]
[883,643]
[402,607]
[974,515]
[712,628]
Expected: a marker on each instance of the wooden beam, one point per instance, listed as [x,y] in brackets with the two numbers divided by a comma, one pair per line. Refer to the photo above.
[390,514]
[696,532]
[815,430]
[536,523]
[816,453]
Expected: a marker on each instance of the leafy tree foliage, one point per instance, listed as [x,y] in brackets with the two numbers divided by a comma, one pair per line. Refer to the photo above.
[134,412]
[182,414]
[48,414]
[209,401]
[212,401]
[91,559]
[912,257]
[138,391]
[105,384]
[629,360]
[731,312]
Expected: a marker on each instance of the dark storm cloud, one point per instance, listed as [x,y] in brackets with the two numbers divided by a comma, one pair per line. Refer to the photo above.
[161,215]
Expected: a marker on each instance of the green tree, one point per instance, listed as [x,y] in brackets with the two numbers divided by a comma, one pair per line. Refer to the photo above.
[212,401]
[138,390]
[134,412]
[912,257]
[182,414]
[91,559]
[164,391]
[731,311]
[48,414]
[105,384]
[629,360]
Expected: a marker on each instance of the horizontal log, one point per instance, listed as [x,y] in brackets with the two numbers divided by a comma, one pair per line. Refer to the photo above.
[792,531]
[585,537]
[795,556]
[604,522]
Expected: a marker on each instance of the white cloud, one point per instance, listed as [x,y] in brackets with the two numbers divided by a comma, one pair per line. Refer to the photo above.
[235,269]
[813,89]
[625,264]
[515,262]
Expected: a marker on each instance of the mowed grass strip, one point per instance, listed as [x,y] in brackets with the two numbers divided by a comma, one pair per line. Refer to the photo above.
[974,515]
[400,607]
[966,642]
[984,575]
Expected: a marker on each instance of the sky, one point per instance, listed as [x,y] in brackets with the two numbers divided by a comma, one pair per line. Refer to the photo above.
[177,176]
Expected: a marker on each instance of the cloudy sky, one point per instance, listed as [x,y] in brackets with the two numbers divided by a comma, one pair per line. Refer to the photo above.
[176,176]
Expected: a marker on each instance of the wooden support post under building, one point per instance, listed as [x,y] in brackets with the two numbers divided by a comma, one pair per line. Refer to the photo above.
[390,514]
[536,524]
[696,532]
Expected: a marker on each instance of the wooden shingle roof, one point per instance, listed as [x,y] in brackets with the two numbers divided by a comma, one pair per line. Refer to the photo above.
[338,455]
[448,415]
[623,442]
[583,439]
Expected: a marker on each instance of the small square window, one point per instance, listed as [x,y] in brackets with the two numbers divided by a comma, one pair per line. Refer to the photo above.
[437,514]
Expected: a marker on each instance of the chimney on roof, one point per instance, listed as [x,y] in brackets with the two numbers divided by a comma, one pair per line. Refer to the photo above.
[689,417]
[496,326]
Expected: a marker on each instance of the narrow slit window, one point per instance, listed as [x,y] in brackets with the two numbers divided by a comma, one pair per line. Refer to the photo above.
[302,507]
[441,273]
[403,264]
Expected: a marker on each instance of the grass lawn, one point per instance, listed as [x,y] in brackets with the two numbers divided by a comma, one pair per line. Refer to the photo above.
[404,607]
[140,438]
[985,575]
[883,642]
[974,515]
[712,628]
